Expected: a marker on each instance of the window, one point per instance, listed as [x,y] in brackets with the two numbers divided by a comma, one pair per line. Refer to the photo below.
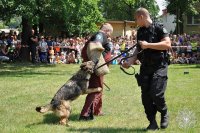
[193,20]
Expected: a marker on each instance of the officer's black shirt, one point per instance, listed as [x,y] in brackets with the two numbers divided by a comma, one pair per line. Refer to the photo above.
[152,34]
[31,42]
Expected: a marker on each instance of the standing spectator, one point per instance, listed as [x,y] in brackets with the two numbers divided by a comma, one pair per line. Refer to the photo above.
[123,46]
[189,48]
[50,44]
[43,49]
[33,42]
[57,47]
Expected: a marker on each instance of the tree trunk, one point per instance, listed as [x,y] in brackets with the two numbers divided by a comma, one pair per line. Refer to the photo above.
[181,23]
[26,32]
[41,28]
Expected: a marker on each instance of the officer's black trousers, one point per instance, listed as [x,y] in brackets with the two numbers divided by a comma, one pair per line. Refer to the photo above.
[33,53]
[154,82]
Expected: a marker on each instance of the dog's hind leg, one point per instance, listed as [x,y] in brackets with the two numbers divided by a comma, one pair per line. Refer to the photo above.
[43,109]
[63,112]
[91,90]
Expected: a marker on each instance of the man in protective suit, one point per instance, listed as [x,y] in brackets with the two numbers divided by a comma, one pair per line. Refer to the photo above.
[153,43]
[93,102]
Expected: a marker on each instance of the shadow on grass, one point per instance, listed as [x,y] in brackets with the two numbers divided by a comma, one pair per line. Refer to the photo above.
[184,66]
[108,130]
[52,119]
[27,69]
[19,65]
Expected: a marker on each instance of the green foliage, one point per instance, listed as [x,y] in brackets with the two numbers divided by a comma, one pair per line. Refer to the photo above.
[184,6]
[180,8]
[124,9]
[1,25]
[6,9]
[84,14]
[75,17]
[25,86]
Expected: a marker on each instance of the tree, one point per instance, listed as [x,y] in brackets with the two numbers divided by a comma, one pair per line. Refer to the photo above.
[180,8]
[124,9]
[83,17]
[74,17]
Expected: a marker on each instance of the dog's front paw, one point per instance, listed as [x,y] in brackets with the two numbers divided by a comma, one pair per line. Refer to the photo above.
[99,89]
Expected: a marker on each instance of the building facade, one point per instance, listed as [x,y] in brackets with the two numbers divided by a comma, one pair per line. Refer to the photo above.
[122,28]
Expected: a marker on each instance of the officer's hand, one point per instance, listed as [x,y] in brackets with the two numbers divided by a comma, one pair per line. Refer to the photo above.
[125,65]
[144,44]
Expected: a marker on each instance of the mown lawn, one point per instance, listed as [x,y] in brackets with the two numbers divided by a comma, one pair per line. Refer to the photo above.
[24,86]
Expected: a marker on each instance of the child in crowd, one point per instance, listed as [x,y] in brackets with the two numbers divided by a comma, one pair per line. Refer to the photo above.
[51,55]
[63,58]
[57,61]
[71,57]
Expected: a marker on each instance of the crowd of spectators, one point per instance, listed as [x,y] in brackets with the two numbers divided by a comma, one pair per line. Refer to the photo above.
[185,49]
[56,50]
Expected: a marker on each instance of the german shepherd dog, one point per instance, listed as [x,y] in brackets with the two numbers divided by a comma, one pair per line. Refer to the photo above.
[77,85]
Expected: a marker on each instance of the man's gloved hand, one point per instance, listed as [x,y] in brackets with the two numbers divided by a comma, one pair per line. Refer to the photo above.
[143,44]
[125,65]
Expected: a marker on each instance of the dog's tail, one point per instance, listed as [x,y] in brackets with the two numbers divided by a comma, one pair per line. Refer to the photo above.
[43,109]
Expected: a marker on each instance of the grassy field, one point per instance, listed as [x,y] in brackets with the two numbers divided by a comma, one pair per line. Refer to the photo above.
[24,86]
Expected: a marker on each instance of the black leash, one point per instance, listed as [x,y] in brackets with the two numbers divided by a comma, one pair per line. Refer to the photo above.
[117,56]
[121,62]
[108,88]
[123,59]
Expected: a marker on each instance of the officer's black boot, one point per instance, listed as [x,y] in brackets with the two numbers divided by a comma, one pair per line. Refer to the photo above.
[153,125]
[164,120]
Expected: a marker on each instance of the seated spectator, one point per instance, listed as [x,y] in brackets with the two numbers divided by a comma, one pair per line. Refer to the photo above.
[181,59]
[4,53]
[63,58]
[71,57]
[193,59]
[57,59]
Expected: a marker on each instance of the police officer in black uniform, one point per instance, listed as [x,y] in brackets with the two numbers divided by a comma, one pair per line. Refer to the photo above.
[33,43]
[153,42]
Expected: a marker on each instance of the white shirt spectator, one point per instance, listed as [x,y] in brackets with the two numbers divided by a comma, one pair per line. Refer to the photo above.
[43,46]
[189,48]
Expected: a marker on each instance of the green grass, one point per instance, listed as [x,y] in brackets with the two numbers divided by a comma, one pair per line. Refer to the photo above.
[24,86]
